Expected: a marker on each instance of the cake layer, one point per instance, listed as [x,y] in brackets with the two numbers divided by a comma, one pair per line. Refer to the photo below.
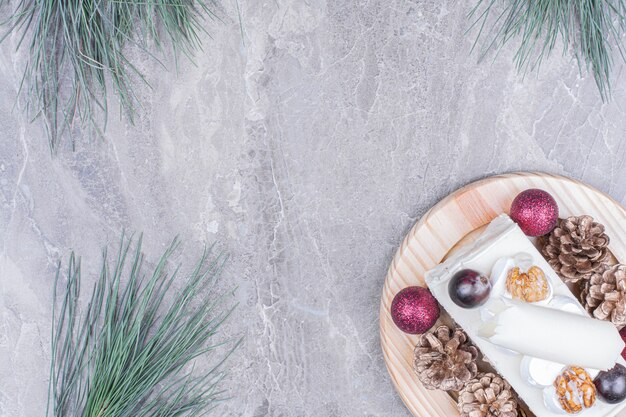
[501,240]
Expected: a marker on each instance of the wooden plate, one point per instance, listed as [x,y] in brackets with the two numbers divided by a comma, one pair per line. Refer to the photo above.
[449,222]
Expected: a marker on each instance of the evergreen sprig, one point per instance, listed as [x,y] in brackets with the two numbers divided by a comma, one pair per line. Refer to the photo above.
[591,29]
[78,52]
[128,353]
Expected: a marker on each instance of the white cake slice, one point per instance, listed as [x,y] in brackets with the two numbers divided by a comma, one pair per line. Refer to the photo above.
[511,335]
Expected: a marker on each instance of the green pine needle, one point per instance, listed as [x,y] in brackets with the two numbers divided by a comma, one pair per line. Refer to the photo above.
[592,29]
[78,52]
[128,353]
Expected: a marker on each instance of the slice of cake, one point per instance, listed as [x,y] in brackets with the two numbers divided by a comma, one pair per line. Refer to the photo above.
[529,326]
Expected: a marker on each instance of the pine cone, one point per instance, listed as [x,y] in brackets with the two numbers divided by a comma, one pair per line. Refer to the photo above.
[444,359]
[604,294]
[576,248]
[489,395]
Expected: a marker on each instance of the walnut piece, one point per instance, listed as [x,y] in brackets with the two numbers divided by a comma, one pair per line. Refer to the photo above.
[575,389]
[531,286]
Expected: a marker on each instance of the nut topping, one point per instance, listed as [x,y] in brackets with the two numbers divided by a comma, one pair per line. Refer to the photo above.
[531,286]
[575,390]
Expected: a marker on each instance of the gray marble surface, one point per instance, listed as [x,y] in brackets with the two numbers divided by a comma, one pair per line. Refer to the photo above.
[307,147]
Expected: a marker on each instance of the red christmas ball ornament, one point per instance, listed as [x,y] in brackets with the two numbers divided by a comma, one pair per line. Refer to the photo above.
[535,212]
[414,310]
[623,334]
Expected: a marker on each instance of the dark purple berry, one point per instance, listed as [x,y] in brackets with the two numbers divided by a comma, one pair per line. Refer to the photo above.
[468,288]
[611,384]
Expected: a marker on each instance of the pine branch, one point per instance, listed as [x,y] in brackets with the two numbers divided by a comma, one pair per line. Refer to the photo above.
[77,52]
[592,29]
[128,353]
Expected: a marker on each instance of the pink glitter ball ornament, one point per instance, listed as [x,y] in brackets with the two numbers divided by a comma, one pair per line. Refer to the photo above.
[535,212]
[414,310]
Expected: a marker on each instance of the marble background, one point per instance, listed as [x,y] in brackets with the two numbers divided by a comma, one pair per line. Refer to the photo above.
[306,144]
